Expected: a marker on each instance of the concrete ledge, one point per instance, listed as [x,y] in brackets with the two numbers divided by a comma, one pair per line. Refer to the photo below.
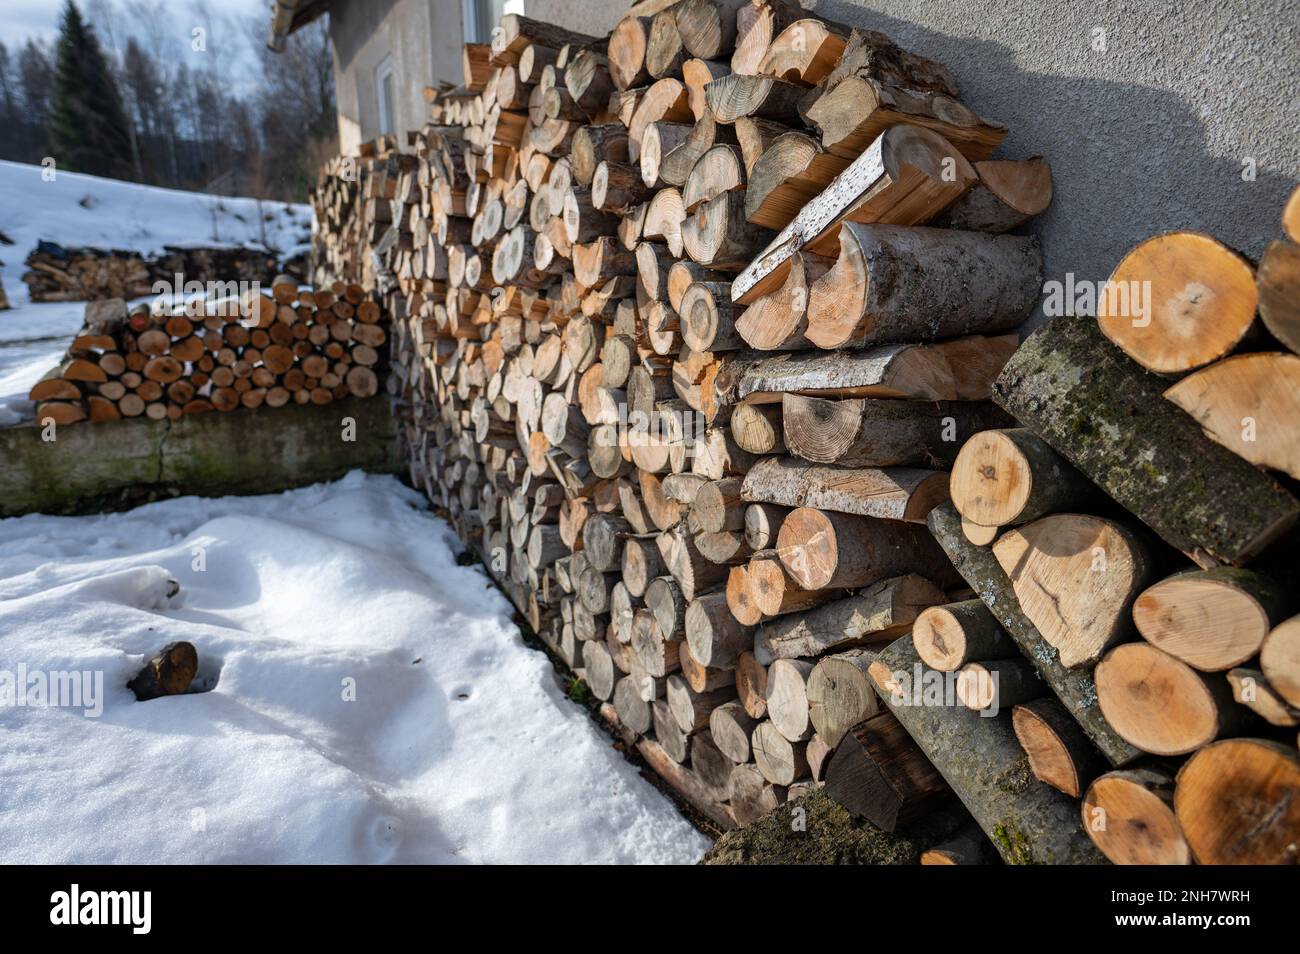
[91,468]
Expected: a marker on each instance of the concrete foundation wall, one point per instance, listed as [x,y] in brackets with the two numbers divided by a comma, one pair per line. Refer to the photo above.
[1151,134]
[90,468]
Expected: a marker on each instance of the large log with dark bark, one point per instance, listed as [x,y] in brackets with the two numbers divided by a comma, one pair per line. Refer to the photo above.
[983,763]
[1108,417]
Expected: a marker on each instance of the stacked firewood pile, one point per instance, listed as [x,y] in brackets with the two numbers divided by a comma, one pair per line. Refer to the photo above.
[294,346]
[58,273]
[1134,553]
[690,324]
[614,264]
[353,201]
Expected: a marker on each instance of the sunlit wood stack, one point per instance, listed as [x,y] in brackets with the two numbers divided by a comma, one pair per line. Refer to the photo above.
[293,346]
[693,323]
[1134,546]
[651,358]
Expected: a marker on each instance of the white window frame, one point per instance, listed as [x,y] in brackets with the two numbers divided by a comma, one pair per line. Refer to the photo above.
[387,108]
[489,12]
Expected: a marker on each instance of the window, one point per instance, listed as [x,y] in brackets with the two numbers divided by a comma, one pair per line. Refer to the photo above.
[386,90]
[480,17]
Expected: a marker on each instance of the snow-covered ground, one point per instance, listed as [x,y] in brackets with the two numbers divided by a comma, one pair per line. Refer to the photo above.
[372,700]
[76,210]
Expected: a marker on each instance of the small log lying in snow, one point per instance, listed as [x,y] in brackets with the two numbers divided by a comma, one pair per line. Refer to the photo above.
[168,673]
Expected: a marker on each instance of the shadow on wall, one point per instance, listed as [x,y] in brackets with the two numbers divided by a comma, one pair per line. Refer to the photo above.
[1149,136]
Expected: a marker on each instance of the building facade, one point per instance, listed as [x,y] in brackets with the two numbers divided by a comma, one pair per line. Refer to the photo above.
[387,51]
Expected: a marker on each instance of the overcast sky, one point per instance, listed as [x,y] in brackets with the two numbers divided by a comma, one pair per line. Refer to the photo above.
[20,19]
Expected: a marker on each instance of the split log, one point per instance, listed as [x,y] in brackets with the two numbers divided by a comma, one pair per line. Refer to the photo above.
[960,370]
[906,176]
[851,113]
[778,321]
[1009,193]
[878,773]
[1251,688]
[737,95]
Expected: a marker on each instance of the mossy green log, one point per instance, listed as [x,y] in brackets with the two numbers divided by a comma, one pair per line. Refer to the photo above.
[114,465]
[1109,418]
[979,756]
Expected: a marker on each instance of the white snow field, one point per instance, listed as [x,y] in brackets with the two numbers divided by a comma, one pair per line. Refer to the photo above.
[372,700]
[77,210]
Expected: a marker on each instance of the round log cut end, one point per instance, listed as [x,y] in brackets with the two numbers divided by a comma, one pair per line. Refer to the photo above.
[1236,802]
[1155,702]
[1210,620]
[1280,659]
[1128,816]
[940,639]
[991,480]
[1178,301]
[808,547]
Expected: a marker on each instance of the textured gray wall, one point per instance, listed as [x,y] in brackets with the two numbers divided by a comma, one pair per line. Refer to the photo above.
[424,39]
[1149,136]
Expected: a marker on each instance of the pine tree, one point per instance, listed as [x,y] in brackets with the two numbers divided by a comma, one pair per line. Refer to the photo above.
[88,131]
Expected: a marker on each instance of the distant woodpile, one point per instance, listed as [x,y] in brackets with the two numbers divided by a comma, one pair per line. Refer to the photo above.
[57,273]
[294,346]
[691,325]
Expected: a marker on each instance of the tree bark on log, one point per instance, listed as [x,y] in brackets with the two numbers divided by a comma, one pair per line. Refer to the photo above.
[1074,687]
[983,763]
[1107,417]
